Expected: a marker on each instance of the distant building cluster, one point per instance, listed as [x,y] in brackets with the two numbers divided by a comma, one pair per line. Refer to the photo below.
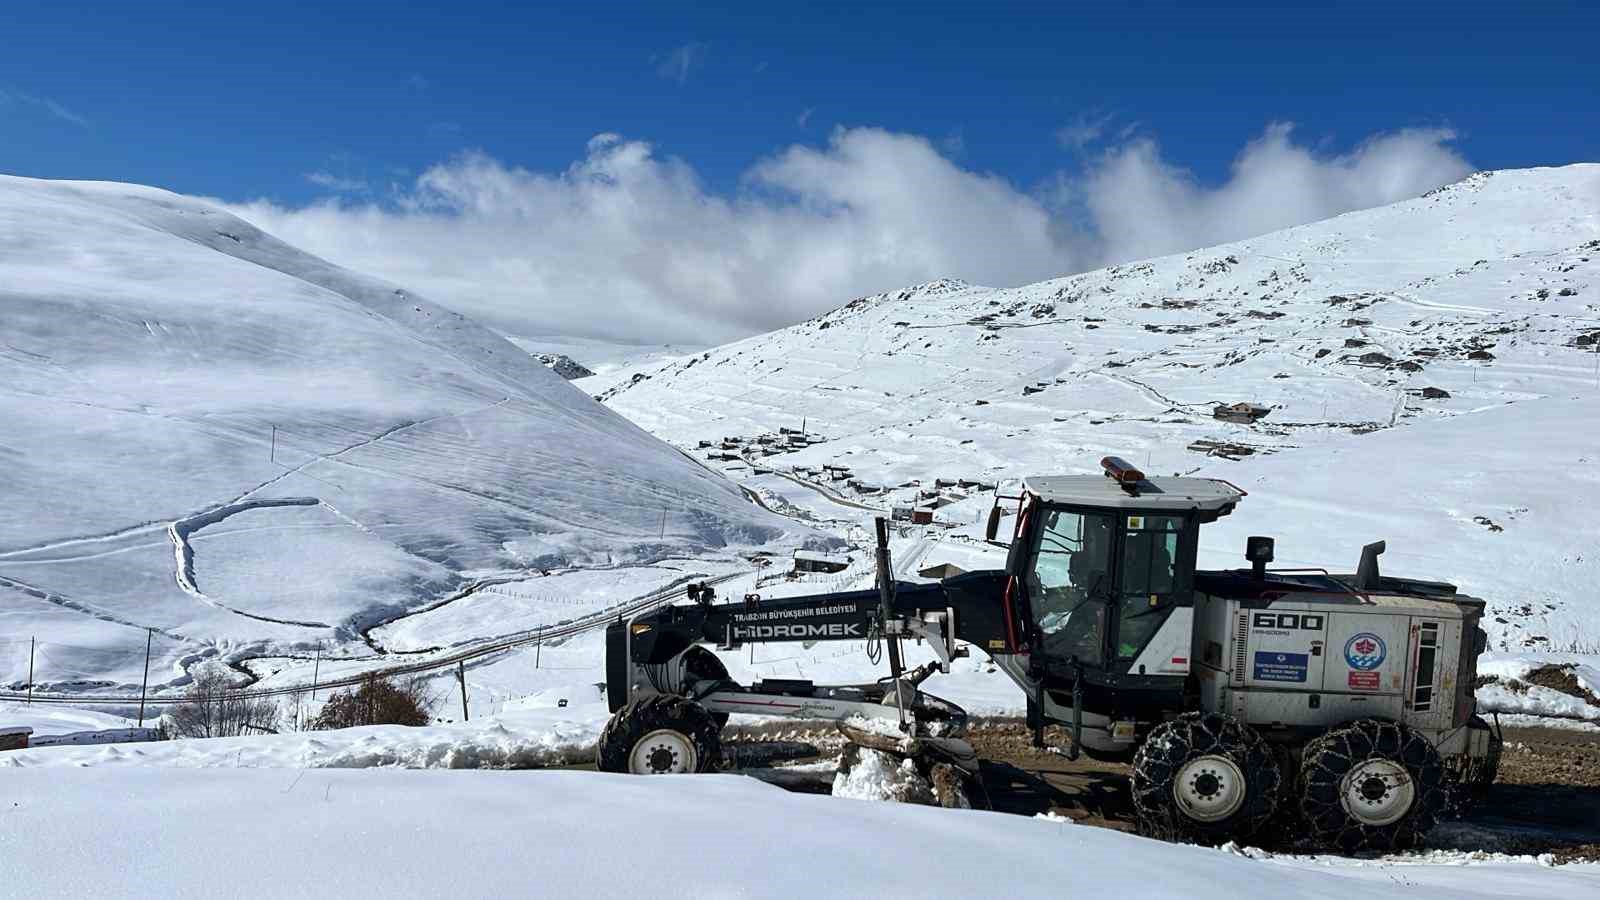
[914,502]
[739,447]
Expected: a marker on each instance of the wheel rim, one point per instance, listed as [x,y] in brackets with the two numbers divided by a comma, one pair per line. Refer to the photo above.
[663,752]
[1377,792]
[1209,788]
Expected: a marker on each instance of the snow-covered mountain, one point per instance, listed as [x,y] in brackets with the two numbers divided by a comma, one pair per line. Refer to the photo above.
[211,434]
[1431,371]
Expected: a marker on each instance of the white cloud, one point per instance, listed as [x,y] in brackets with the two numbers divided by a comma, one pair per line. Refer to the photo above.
[338,183]
[1083,131]
[676,63]
[1142,205]
[630,244]
[805,116]
[14,97]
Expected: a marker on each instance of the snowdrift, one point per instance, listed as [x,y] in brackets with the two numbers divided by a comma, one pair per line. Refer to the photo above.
[214,435]
[391,833]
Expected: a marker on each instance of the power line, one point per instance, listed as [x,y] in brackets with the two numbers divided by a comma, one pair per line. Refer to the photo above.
[535,636]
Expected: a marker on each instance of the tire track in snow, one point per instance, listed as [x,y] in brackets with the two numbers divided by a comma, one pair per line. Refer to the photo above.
[179,531]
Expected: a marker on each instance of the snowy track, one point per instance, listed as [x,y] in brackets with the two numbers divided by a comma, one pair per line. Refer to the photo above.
[431,664]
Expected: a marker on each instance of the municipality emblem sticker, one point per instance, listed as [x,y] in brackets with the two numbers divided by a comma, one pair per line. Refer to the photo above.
[1365,651]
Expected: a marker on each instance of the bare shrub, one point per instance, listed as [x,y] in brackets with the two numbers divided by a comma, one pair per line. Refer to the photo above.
[378,701]
[213,708]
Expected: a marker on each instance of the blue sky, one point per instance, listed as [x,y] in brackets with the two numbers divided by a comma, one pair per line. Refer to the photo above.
[294,102]
[243,100]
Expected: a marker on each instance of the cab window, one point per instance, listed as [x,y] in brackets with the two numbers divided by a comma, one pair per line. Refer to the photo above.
[1069,582]
[1149,579]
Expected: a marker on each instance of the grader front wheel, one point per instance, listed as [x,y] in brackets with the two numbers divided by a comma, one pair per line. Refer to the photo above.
[660,735]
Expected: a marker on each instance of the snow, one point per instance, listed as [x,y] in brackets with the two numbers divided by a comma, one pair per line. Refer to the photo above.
[250,451]
[609,360]
[60,721]
[879,776]
[388,833]
[516,739]
[1534,699]
[520,604]
[150,344]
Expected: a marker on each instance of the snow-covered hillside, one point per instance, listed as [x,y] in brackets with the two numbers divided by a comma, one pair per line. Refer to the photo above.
[1432,370]
[213,435]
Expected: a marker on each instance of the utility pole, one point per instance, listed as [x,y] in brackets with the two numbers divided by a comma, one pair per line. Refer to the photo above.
[537,644]
[315,667]
[461,674]
[663,523]
[274,453]
[31,642]
[149,638]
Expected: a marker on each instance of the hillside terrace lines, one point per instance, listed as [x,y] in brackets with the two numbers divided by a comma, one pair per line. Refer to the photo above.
[366,442]
[58,599]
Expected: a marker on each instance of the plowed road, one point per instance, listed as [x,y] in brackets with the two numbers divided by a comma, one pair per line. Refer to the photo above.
[444,661]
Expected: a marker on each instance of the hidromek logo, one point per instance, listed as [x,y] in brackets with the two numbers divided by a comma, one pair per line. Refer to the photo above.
[833,629]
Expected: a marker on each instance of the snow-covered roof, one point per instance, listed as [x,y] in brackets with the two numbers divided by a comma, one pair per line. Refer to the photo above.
[838,559]
[1153,493]
[15,729]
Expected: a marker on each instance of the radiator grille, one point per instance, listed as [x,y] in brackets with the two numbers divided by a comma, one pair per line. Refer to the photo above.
[1241,637]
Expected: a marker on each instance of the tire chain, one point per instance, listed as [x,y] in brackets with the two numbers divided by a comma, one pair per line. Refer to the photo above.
[1191,735]
[1328,758]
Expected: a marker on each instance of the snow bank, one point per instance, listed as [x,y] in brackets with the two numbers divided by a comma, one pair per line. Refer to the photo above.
[49,720]
[1512,692]
[512,740]
[876,775]
[389,833]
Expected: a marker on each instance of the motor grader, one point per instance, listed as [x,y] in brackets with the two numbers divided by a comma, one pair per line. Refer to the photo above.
[1338,706]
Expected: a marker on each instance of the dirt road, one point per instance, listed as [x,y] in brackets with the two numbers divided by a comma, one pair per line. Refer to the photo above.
[1546,799]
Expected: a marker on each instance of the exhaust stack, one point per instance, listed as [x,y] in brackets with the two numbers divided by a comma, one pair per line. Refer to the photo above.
[1258,550]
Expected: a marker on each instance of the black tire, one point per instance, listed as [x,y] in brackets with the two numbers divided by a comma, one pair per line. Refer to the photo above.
[678,724]
[698,662]
[1333,756]
[1480,776]
[1199,754]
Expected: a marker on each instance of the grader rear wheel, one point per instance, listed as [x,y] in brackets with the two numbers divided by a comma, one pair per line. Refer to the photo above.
[1371,785]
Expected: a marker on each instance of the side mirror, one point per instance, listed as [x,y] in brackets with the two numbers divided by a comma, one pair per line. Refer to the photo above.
[994,521]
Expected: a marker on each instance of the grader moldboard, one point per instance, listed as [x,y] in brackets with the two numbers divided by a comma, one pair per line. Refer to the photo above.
[1340,707]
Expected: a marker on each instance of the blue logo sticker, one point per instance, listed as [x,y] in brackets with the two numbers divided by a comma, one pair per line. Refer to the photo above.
[1274,666]
[1365,652]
